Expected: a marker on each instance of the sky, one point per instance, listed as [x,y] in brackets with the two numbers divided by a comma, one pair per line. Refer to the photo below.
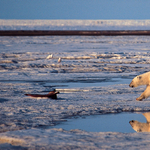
[75,9]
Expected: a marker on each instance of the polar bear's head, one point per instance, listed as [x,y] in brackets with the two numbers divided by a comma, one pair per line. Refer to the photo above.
[136,82]
[139,126]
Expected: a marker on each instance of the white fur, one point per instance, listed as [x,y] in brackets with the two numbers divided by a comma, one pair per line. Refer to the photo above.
[143,79]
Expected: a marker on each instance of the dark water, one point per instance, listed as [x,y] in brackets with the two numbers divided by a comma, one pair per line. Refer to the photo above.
[103,123]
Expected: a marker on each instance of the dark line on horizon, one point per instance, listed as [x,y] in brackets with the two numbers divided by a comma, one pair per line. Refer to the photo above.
[74,32]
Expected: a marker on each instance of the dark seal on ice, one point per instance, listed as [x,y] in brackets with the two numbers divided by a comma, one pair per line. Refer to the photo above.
[51,94]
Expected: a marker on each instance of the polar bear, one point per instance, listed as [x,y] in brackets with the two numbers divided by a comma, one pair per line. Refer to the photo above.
[139,126]
[143,79]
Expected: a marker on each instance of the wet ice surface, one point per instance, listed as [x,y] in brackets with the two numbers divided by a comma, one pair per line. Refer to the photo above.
[93,79]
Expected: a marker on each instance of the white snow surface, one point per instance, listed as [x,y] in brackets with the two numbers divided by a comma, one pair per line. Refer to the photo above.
[73,139]
[93,78]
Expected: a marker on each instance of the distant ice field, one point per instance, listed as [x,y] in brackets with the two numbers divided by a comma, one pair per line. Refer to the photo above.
[74,24]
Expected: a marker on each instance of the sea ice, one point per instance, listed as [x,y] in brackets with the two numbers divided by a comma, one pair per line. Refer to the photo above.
[92,78]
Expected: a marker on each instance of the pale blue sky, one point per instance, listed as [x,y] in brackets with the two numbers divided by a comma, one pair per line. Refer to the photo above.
[74,9]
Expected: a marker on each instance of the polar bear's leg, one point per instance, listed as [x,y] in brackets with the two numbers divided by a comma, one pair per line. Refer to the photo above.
[145,94]
[141,97]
